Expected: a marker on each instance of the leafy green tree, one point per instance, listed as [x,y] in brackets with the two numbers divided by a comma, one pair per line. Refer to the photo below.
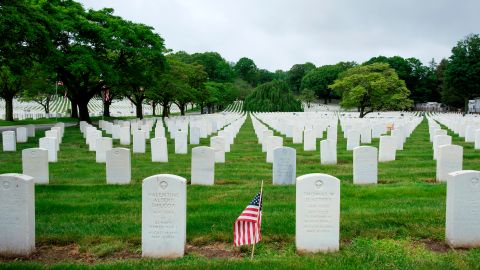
[264,76]
[81,50]
[307,96]
[246,70]
[217,68]
[273,96]
[295,75]
[139,60]
[25,40]
[462,74]
[320,78]
[417,77]
[41,86]
[243,88]
[371,88]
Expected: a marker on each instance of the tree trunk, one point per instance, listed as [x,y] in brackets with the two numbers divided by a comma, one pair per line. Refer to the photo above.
[47,106]
[154,106]
[182,110]
[362,109]
[164,111]
[8,108]
[74,112]
[138,107]
[106,109]
[83,111]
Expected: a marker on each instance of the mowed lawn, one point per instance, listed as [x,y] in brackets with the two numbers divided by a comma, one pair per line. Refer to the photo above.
[397,224]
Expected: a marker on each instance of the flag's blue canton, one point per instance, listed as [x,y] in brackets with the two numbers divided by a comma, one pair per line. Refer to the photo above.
[256,201]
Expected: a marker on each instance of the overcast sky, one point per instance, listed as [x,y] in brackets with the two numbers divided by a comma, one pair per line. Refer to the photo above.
[277,34]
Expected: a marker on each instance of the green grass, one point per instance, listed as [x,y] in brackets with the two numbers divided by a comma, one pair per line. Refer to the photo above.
[382,227]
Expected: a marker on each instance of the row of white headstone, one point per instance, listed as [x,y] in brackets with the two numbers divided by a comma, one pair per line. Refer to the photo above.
[10,138]
[449,157]
[328,148]
[164,204]
[365,165]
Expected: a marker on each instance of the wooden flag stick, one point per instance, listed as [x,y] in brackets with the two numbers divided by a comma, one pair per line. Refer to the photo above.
[258,216]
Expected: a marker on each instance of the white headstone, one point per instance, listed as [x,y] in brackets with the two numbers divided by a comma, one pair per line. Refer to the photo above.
[17,214]
[265,135]
[115,132]
[397,135]
[317,226]
[353,139]
[164,216]
[309,140]
[218,144]
[297,134]
[328,152]
[332,133]
[449,159]
[440,140]
[462,226]
[95,134]
[272,143]
[159,131]
[159,149]
[203,165]
[387,148]
[138,141]
[118,166]
[22,135]
[365,165]
[49,143]
[194,135]
[366,135]
[477,139]
[9,142]
[181,142]
[102,145]
[125,135]
[31,130]
[35,164]
[284,166]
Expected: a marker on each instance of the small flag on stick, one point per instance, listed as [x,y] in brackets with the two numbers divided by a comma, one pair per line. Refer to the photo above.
[246,230]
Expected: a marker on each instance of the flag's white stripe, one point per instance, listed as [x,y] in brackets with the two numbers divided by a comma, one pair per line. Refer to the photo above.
[236,234]
[248,218]
[252,235]
[241,233]
[250,212]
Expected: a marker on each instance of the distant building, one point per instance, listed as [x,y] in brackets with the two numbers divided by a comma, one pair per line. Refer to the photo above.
[429,107]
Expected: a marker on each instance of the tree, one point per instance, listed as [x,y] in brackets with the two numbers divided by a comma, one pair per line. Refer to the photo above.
[307,96]
[273,96]
[372,87]
[295,75]
[462,74]
[417,76]
[320,78]
[216,67]
[25,40]
[41,86]
[264,76]
[246,70]
[139,59]
[82,45]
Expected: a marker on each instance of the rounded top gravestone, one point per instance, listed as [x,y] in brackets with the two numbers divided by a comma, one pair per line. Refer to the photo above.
[164,216]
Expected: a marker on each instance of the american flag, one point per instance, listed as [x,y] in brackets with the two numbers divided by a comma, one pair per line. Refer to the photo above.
[246,230]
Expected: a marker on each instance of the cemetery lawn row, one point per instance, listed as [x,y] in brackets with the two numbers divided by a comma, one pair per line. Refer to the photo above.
[397,224]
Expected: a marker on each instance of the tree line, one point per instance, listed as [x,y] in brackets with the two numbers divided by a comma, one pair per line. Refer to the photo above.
[59,47]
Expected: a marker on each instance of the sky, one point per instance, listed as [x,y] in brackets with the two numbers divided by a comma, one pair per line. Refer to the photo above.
[276,34]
